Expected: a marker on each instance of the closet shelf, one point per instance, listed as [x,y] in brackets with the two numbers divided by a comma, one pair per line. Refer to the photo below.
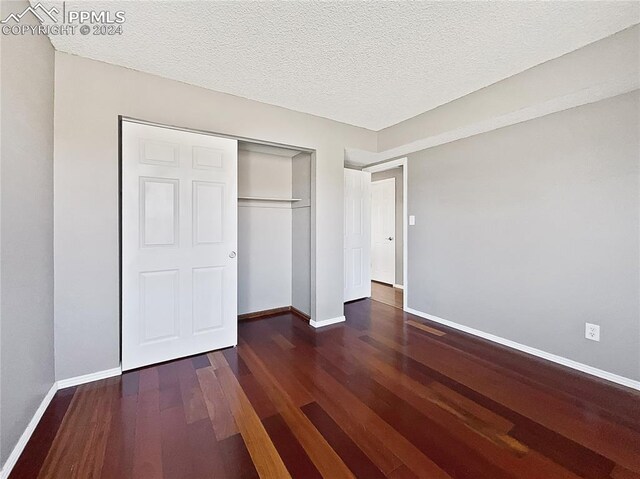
[263,198]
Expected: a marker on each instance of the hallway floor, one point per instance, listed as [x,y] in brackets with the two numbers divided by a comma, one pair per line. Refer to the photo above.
[387,294]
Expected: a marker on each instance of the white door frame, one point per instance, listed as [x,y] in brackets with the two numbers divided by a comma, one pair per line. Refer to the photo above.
[387,165]
[122,118]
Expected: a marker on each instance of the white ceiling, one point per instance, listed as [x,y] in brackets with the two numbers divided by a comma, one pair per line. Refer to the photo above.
[370,64]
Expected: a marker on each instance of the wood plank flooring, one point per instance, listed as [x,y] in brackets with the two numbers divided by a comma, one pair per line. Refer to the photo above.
[386,294]
[385,394]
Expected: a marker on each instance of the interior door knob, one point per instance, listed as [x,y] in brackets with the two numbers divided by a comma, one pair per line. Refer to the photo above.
[390,238]
[232,254]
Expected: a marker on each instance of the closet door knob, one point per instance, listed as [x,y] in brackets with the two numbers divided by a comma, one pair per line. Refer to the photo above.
[390,238]
[232,254]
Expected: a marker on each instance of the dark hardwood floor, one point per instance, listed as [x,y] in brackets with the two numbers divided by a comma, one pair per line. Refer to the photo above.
[385,394]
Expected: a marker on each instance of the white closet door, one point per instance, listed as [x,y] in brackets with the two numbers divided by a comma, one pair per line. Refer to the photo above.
[357,280]
[383,230]
[179,237]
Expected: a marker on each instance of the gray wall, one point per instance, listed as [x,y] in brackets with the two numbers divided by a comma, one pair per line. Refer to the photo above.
[89,97]
[530,231]
[396,173]
[26,216]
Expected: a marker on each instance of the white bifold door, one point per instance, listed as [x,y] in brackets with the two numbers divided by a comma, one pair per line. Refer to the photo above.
[179,240]
[357,274]
[383,230]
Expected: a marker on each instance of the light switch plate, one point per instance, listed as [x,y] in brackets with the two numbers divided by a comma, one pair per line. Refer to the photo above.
[412,220]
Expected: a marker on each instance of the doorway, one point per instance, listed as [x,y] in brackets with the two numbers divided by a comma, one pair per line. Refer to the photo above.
[375,233]
[389,232]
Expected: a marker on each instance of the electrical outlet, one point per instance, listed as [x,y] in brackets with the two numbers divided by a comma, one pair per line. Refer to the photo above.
[592,332]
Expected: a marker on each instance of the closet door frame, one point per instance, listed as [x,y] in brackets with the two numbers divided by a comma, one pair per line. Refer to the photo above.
[311,151]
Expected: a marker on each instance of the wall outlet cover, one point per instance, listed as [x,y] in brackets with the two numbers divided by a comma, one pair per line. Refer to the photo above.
[592,332]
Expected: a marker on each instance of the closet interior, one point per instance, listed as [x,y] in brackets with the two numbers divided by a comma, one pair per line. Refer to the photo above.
[274,229]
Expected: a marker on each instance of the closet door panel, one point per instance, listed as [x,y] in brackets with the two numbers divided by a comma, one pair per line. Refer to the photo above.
[179,243]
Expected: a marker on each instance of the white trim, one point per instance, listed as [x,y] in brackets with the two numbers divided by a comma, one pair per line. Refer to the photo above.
[405,231]
[326,322]
[87,378]
[398,286]
[26,435]
[630,383]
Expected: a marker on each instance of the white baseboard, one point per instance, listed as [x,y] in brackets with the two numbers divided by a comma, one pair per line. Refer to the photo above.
[398,286]
[326,322]
[87,378]
[26,435]
[570,363]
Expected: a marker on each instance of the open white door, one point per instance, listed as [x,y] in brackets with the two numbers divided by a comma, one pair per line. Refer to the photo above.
[179,237]
[383,230]
[357,242]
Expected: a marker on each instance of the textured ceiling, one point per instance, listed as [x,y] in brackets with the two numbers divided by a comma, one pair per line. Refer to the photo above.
[370,64]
